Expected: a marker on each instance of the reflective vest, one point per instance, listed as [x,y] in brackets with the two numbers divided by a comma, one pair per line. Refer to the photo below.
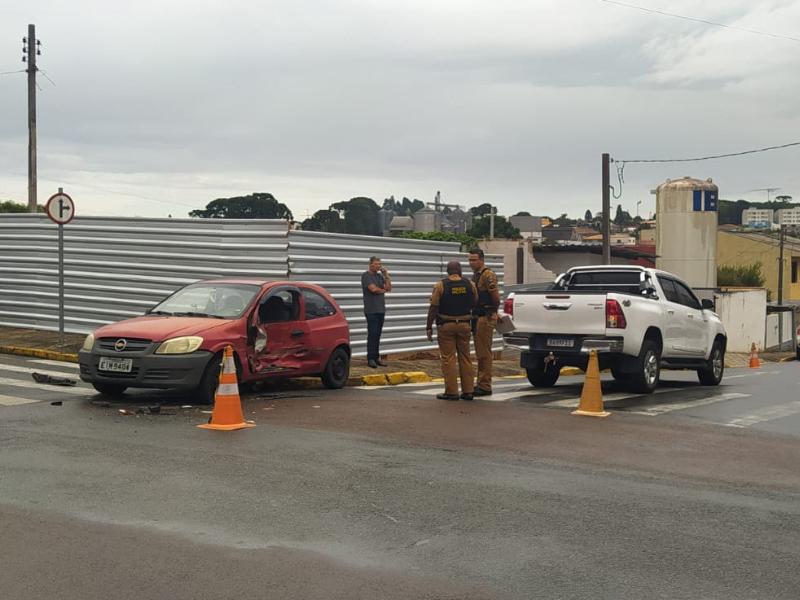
[457,298]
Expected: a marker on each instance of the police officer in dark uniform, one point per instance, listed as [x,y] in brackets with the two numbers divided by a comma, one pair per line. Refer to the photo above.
[485,319]
[452,302]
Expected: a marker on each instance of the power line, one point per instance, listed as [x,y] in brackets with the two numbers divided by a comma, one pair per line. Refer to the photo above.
[673,160]
[704,21]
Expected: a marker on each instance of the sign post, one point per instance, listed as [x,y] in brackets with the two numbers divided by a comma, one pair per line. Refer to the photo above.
[61,210]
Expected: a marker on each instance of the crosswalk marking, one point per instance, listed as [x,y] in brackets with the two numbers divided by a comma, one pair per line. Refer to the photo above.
[56,363]
[766,414]
[14,400]
[665,408]
[18,369]
[56,389]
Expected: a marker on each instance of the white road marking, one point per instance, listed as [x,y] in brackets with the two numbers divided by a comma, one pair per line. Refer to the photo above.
[18,369]
[748,375]
[13,400]
[56,363]
[661,409]
[769,413]
[58,389]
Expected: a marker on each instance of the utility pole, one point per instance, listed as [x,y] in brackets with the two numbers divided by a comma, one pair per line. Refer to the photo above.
[780,265]
[606,209]
[31,50]
[492,213]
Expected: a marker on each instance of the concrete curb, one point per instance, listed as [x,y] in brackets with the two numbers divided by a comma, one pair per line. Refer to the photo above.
[37,353]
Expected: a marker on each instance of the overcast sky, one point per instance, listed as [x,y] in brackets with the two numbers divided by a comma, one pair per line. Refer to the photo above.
[160,107]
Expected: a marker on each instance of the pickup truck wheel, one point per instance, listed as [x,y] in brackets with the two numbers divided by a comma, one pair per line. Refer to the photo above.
[711,373]
[645,379]
[110,389]
[619,375]
[541,376]
[337,370]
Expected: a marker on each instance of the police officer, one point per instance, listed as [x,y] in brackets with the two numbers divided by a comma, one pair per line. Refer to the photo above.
[484,319]
[452,302]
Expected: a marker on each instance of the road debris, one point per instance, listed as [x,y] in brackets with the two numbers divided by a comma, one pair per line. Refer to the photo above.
[56,403]
[49,379]
[126,412]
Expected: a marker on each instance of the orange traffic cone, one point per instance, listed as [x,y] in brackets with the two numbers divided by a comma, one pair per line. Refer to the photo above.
[754,362]
[227,413]
[592,394]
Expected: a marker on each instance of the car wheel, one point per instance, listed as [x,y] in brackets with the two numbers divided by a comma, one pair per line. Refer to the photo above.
[620,375]
[648,368]
[542,376]
[210,381]
[337,370]
[711,373]
[110,389]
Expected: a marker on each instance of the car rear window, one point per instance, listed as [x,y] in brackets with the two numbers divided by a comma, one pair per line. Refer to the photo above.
[621,281]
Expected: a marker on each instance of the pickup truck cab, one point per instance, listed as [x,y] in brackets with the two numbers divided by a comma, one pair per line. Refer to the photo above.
[637,319]
[276,329]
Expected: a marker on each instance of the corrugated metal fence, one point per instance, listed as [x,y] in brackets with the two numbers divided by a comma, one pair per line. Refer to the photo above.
[116,268]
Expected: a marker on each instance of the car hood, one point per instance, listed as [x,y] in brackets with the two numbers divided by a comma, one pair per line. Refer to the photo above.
[160,327]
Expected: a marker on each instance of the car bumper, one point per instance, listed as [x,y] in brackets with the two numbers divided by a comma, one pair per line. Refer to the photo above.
[180,371]
[581,345]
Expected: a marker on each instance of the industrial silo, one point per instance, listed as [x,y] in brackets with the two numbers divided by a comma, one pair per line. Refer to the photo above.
[427,220]
[686,230]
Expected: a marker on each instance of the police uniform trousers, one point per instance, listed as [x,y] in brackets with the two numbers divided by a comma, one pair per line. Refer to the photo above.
[453,341]
[484,332]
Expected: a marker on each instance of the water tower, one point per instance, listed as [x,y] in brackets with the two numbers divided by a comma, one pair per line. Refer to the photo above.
[686,230]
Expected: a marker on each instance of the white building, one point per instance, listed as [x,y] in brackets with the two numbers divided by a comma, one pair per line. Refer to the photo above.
[757,218]
[789,216]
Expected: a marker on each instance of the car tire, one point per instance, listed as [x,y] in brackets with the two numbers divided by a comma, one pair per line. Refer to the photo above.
[337,370]
[207,389]
[110,389]
[620,375]
[542,377]
[648,368]
[711,373]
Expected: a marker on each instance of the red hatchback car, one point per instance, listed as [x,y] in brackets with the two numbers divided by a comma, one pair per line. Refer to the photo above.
[276,329]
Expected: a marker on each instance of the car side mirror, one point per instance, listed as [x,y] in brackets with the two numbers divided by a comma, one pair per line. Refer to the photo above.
[707,304]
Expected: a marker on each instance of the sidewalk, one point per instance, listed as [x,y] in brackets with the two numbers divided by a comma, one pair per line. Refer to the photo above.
[406,368]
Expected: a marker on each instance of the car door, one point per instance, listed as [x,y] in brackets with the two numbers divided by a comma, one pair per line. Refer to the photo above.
[323,327]
[281,344]
[674,319]
[696,320]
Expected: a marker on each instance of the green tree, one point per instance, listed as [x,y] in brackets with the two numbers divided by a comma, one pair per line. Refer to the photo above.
[324,220]
[259,205]
[563,221]
[9,206]
[523,213]
[502,229]
[588,216]
[412,206]
[482,210]
[466,241]
[360,216]
[622,217]
[744,275]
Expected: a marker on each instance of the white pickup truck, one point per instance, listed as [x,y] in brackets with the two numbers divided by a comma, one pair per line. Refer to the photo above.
[639,320]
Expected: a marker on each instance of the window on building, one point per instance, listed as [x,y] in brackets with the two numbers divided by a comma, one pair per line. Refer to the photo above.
[795,268]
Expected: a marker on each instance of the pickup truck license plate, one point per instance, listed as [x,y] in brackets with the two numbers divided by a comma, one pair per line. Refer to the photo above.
[116,365]
[560,342]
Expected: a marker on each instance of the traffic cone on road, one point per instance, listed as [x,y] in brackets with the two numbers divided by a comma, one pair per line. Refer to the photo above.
[227,413]
[754,362]
[592,394]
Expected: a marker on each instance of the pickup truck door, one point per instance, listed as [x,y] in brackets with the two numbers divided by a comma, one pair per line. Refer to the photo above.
[696,321]
[675,320]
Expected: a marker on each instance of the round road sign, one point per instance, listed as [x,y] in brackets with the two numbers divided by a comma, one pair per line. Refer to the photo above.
[60,208]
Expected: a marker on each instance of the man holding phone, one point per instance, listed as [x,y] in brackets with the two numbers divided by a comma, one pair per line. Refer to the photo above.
[375,283]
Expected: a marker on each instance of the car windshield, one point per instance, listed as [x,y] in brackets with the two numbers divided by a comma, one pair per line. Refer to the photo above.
[213,300]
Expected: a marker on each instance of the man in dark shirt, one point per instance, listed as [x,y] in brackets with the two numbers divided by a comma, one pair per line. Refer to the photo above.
[375,282]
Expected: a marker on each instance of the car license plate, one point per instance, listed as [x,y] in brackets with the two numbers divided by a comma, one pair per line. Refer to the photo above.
[561,342]
[115,365]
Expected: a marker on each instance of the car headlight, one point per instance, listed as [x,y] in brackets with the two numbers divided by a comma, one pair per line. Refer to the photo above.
[88,343]
[180,345]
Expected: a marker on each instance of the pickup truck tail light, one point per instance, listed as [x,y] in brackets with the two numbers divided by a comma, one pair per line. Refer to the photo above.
[508,306]
[615,318]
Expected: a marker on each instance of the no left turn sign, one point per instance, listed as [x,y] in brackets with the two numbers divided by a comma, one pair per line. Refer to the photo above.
[60,208]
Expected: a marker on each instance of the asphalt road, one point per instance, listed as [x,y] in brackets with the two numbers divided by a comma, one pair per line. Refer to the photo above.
[390,493]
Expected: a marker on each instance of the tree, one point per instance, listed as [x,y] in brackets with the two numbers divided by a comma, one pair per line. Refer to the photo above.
[745,275]
[482,210]
[412,206]
[588,216]
[783,199]
[502,228]
[622,217]
[466,241]
[563,221]
[523,213]
[324,220]
[360,216]
[259,205]
[9,206]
